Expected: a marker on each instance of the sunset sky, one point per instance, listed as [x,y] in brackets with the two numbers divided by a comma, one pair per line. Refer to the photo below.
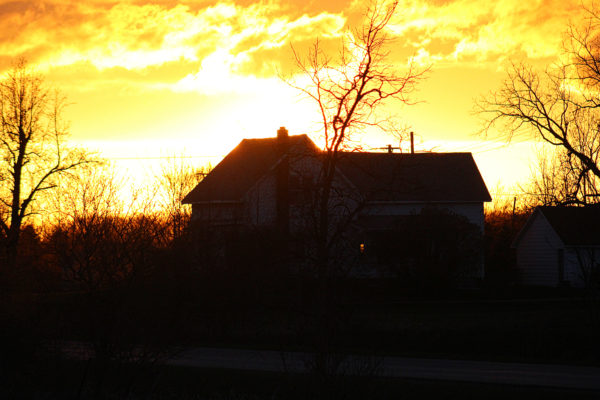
[153,79]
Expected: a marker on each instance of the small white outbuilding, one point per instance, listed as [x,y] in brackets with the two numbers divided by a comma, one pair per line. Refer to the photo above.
[559,246]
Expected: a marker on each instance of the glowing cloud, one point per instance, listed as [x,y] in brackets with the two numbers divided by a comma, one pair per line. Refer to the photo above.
[484,31]
[195,68]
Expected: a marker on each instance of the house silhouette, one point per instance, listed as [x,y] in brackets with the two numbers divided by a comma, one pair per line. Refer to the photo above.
[270,183]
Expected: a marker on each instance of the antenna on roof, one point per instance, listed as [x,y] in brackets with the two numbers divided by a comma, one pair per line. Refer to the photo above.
[390,149]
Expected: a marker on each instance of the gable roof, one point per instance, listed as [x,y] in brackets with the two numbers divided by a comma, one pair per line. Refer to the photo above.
[242,167]
[422,177]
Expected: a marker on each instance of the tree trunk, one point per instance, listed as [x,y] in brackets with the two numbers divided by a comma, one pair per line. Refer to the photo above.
[12,245]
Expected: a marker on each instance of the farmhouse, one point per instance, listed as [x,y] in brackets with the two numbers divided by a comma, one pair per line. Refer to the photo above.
[270,183]
[559,246]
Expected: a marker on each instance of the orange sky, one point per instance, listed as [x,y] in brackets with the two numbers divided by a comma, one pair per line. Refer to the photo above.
[149,79]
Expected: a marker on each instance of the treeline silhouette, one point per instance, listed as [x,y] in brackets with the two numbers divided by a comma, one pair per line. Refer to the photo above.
[107,248]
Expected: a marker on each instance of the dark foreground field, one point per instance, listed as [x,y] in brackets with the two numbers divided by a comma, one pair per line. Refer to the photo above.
[555,328]
[540,329]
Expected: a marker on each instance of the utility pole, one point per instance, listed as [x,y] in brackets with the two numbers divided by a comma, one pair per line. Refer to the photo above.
[512,220]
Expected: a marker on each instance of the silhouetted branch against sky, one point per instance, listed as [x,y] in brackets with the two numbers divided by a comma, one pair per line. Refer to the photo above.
[175,180]
[350,87]
[32,150]
[100,238]
[558,106]
[349,90]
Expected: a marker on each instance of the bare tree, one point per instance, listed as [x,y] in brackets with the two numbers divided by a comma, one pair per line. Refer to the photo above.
[32,151]
[102,235]
[107,244]
[558,179]
[175,180]
[560,106]
[348,91]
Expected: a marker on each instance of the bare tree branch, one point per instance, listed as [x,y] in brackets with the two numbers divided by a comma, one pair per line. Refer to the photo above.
[348,90]
[32,133]
[559,106]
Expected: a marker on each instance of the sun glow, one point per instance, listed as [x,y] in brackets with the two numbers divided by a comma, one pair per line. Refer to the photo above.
[152,79]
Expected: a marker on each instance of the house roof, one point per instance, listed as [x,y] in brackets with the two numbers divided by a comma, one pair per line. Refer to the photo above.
[429,177]
[241,168]
[434,177]
[575,225]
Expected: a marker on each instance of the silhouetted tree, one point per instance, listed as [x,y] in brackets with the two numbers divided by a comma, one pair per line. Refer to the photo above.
[503,222]
[176,179]
[109,246]
[560,106]
[102,236]
[557,179]
[348,90]
[32,151]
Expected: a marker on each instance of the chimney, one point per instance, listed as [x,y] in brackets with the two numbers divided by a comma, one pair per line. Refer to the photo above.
[282,182]
[282,133]
[412,143]
[282,140]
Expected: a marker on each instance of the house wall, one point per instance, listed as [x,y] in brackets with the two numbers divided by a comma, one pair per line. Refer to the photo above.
[578,263]
[472,211]
[573,272]
[537,255]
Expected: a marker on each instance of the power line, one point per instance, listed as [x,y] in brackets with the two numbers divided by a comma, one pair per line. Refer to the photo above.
[489,146]
[492,149]
[519,136]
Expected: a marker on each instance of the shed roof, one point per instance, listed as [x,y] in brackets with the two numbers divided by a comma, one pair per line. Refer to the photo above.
[575,225]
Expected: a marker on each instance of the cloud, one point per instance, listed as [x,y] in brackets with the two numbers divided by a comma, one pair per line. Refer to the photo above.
[221,40]
[472,31]
[211,46]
